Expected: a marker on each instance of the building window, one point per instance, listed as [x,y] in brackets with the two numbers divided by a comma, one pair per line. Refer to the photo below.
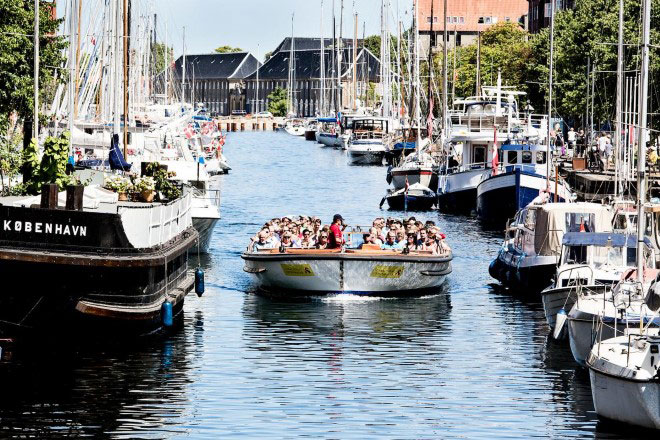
[461,20]
[507,19]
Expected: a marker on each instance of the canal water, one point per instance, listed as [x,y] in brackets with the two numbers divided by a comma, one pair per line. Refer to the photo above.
[467,361]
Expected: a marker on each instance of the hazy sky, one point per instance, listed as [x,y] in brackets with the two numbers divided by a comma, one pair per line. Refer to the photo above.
[258,25]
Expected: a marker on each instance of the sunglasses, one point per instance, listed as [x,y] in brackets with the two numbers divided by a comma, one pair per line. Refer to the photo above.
[324,236]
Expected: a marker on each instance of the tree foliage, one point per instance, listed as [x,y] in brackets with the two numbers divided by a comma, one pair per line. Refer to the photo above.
[228,49]
[17,55]
[162,57]
[52,166]
[278,103]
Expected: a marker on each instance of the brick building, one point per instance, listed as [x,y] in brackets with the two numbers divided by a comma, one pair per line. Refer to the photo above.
[465,18]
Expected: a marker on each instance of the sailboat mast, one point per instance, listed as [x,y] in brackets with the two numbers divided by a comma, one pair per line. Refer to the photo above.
[292,67]
[322,91]
[643,136]
[35,117]
[550,79]
[183,69]
[619,103]
[444,71]
[418,84]
[355,63]
[116,64]
[333,57]
[430,62]
[340,49]
[167,68]
[125,75]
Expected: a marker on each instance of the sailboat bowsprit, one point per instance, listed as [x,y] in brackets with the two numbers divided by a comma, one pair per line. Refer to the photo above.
[108,265]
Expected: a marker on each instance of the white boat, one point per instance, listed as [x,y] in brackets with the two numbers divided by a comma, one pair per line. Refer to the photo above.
[358,271]
[589,265]
[418,167]
[619,308]
[528,258]
[475,125]
[369,141]
[625,379]
[295,127]
[328,132]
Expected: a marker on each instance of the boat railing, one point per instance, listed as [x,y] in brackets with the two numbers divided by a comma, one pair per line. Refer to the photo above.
[467,167]
[478,122]
[166,221]
[367,134]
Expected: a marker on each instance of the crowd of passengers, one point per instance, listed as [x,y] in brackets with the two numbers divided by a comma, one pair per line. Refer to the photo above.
[304,232]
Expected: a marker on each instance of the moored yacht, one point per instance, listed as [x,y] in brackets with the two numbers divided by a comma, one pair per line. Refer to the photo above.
[369,141]
[528,258]
[514,185]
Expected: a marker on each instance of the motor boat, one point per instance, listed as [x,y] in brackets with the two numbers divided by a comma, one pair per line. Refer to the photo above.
[522,177]
[528,258]
[369,141]
[359,271]
[328,132]
[414,198]
[295,127]
[625,378]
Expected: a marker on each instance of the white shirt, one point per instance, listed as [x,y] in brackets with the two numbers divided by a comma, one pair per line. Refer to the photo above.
[571,136]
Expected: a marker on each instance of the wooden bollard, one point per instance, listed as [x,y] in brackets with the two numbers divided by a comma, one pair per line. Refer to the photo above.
[49,196]
[263,126]
[242,126]
[233,126]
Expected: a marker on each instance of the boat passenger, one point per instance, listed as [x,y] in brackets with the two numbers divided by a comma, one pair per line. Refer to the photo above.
[286,240]
[423,236]
[401,237]
[307,241]
[336,235]
[264,242]
[322,242]
[377,236]
[390,242]
[411,242]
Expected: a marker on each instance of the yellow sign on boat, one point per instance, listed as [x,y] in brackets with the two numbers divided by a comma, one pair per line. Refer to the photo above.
[297,270]
[387,272]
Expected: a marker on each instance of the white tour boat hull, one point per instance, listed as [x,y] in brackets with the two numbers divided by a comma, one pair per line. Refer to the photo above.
[343,272]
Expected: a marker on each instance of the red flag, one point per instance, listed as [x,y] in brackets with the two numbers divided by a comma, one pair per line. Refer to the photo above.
[496,159]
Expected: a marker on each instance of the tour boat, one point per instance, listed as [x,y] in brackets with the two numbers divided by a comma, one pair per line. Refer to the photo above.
[413,198]
[368,271]
[625,379]
[528,258]
[94,262]
[500,194]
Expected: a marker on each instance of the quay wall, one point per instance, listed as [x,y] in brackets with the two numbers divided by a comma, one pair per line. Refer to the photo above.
[249,124]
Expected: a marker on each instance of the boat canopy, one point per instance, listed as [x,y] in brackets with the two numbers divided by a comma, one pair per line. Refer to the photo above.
[552,220]
[327,120]
[525,147]
[601,239]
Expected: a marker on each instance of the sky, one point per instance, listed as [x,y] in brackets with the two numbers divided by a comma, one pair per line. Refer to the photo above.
[258,26]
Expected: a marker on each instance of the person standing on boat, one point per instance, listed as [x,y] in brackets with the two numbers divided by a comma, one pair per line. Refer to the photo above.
[602,150]
[572,141]
[336,235]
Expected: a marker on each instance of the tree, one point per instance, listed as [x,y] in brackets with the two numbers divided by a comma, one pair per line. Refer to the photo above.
[278,102]
[589,32]
[504,48]
[228,49]
[267,56]
[372,42]
[162,57]
[16,61]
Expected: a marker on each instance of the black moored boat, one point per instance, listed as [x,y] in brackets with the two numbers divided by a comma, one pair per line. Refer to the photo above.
[100,264]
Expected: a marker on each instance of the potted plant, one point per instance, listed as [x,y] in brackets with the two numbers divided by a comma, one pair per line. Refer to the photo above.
[146,187]
[119,184]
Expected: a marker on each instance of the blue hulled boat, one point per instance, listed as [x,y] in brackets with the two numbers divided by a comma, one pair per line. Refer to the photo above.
[514,185]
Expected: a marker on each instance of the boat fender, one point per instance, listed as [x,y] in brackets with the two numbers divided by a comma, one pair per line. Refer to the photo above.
[559,324]
[494,268]
[166,312]
[652,299]
[199,281]
[388,177]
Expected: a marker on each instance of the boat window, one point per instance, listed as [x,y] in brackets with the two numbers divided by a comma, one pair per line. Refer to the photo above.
[605,255]
[540,157]
[490,108]
[620,222]
[631,257]
[530,219]
[477,108]
[576,255]
[526,157]
[580,222]
[512,157]
[479,154]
